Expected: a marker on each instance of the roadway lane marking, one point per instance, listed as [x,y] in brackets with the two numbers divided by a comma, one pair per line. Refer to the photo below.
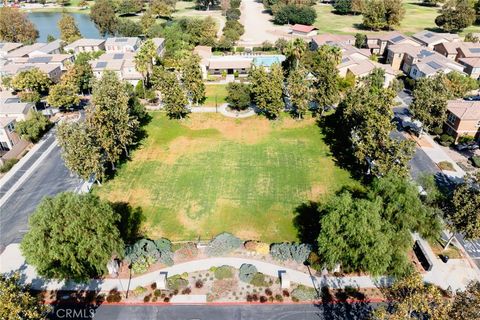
[27,173]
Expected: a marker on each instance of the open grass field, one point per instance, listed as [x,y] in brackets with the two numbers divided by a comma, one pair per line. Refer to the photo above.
[417,18]
[215,93]
[210,174]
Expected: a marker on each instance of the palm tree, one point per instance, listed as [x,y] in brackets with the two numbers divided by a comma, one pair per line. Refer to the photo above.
[295,50]
[145,59]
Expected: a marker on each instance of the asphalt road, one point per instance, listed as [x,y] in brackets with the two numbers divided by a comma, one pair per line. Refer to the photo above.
[49,178]
[337,311]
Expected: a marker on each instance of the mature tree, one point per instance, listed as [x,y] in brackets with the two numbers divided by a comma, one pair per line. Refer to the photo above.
[459,85]
[294,52]
[63,95]
[465,305]
[16,301]
[324,69]
[292,13]
[174,98]
[360,40]
[80,151]
[366,115]
[34,127]
[192,79]
[31,80]
[383,14]
[353,234]
[147,20]
[163,8]
[358,6]
[201,31]
[207,4]
[342,6]
[299,90]
[80,74]
[69,31]
[15,26]
[109,116]
[129,28]
[72,236]
[463,211]
[267,89]
[411,298]
[145,59]
[430,101]
[456,15]
[129,7]
[103,15]
[470,37]
[238,95]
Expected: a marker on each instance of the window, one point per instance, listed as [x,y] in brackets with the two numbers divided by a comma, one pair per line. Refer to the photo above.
[451,118]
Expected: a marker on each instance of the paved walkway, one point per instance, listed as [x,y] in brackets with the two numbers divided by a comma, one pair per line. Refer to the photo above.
[222,109]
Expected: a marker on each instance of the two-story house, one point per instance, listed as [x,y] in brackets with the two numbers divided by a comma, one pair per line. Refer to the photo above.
[463,119]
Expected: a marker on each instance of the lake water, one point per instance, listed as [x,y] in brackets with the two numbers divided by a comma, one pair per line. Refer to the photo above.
[46,23]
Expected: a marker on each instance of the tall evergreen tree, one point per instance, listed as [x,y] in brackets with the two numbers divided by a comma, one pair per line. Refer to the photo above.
[299,90]
[109,116]
[174,98]
[267,89]
[69,31]
[192,79]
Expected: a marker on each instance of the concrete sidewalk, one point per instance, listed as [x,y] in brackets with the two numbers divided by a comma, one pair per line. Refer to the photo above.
[454,275]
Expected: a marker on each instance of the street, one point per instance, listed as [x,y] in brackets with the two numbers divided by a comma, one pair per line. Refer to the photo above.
[49,177]
[328,311]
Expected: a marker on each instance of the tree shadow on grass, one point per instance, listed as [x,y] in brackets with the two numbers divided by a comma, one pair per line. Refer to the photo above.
[307,222]
[130,221]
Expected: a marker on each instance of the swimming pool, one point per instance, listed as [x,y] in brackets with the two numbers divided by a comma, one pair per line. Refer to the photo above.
[267,61]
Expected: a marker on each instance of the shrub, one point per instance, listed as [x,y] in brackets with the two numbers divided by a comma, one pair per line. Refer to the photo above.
[153,286]
[7,165]
[303,293]
[158,250]
[258,247]
[254,297]
[295,14]
[186,291]
[34,127]
[286,293]
[246,272]
[446,140]
[249,298]
[139,290]
[142,264]
[438,130]
[466,139]
[298,252]
[177,283]
[157,293]
[233,14]
[199,284]
[223,244]
[263,299]
[114,296]
[223,272]
[238,95]
[166,299]
[268,292]
[147,298]
[475,161]
[279,298]
[258,280]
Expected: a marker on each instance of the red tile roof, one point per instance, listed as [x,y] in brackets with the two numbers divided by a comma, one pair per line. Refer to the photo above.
[303,28]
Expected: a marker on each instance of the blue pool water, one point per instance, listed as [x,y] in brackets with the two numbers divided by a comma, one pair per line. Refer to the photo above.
[267,61]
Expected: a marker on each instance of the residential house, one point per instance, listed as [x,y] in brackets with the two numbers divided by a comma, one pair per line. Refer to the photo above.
[471,66]
[85,45]
[356,63]
[7,47]
[159,45]
[122,63]
[54,47]
[12,107]
[332,39]
[62,60]
[430,38]
[204,52]
[397,55]
[124,44]
[303,30]
[463,118]
[23,51]
[448,49]
[8,136]
[378,43]
[433,64]
[53,71]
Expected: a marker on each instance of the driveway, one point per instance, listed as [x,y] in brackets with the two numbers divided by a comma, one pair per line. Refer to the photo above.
[258,27]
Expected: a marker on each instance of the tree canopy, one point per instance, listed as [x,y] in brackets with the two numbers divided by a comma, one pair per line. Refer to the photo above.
[238,95]
[15,26]
[192,79]
[103,15]
[72,236]
[69,31]
[34,127]
[456,15]
[267,89]
[383,14]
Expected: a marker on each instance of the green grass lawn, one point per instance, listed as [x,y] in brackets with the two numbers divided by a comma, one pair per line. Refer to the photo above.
[417,18]
[215,93]
[209,174]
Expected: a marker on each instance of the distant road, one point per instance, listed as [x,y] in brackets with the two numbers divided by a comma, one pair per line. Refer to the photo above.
[337,311]
[49,177]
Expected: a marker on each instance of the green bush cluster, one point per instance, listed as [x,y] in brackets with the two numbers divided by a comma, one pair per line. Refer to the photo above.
[298,252]
[7,165]
[146,251]
[223,272]
[292,14]
[303,293]
[223,244]
[176,282]
[258,280]
[246,272]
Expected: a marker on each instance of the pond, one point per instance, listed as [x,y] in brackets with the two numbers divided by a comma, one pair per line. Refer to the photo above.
[46,23]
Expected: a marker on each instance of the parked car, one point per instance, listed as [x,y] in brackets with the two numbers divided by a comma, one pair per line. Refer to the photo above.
[472,98]
[466,146]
